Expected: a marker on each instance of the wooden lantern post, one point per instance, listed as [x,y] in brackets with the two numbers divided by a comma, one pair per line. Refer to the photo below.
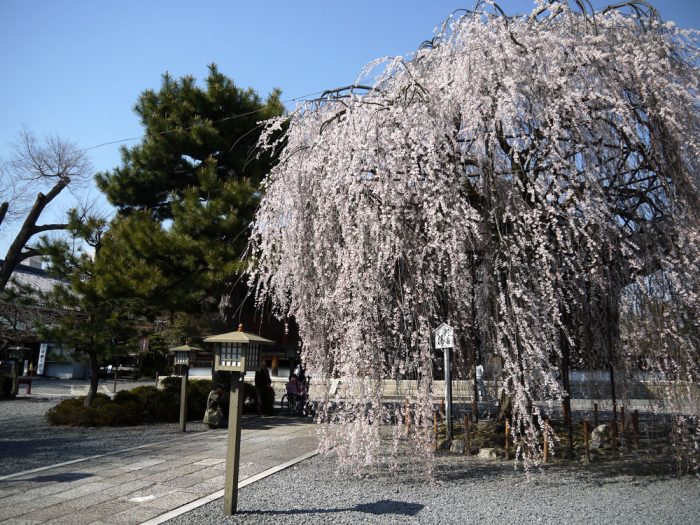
[235,352]
[184,357]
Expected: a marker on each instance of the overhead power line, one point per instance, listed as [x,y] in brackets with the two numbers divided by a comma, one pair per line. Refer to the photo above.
[224,119]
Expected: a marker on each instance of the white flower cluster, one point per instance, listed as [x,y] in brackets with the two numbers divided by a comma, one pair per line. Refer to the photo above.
[520,178]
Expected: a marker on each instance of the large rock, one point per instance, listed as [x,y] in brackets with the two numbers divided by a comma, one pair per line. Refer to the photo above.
[600,436]
[457,446]
[443,444]
[488,453]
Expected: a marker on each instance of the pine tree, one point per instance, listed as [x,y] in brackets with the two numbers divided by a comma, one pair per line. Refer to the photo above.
[92,320]
[187,193]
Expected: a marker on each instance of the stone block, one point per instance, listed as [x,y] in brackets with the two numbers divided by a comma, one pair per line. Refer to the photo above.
[487,453]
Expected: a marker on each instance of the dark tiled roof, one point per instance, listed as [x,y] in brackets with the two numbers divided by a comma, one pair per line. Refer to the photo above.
[37,278]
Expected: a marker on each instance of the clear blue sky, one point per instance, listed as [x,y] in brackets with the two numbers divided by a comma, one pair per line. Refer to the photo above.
[76,67]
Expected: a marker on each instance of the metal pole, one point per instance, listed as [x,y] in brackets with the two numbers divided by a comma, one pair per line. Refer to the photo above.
[116,373]
[448,395]
[233,445]
[183,399]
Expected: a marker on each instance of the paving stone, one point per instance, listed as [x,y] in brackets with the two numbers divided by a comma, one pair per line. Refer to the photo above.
[218,468]
[98,491]
[157,490]
[130,475]
[155,469]
[259,439]
[135,515]
[210,461]
[81,517]
[82,490]
[142,464]
[48,513]
[90,500]
[109,508]
[174,473]
[10,512]
[128,487]
[17,506]
[208,487]
[18,486]
[171,501]
[19,521]
[111,471]
[185,481]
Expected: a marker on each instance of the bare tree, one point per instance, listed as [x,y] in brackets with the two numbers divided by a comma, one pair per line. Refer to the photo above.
[50,166]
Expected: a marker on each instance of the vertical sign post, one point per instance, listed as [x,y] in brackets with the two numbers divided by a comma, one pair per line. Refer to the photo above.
[42,359]
[444,339]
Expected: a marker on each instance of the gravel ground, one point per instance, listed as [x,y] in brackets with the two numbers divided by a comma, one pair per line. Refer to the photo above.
[28,442]
[465,491]
[644,490]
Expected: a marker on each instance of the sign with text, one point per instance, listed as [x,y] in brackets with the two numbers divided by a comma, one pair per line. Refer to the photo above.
[42,359]
[444,336]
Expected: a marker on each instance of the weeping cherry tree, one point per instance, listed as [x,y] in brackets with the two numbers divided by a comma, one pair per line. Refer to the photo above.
[522,178]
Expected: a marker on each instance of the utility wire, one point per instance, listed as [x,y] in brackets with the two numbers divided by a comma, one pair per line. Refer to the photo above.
[224,119]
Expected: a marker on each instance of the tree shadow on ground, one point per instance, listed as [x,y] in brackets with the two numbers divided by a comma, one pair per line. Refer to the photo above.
[250,422]
[645,466]
[378,508]
[608,470]
[61,477]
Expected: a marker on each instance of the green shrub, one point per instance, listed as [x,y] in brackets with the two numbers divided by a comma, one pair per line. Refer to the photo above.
[72,412]
[99,400]
[171,383]
[135,406]
[151,400]
[115,414]
[126,396]
[197,394]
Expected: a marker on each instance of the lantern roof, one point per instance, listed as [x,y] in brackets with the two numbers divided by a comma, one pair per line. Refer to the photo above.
[238,336]
[185,348]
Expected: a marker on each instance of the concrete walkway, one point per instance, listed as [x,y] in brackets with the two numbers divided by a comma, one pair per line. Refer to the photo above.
[140,484]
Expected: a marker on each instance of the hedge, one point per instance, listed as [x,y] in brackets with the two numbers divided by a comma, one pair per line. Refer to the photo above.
[143,404]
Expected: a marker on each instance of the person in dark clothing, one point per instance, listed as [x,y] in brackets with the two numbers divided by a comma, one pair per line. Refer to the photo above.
[263,390]
[300,375]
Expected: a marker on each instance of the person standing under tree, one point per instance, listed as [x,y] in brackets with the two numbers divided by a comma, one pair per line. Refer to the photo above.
[263,388]
[299,374]
[480,382]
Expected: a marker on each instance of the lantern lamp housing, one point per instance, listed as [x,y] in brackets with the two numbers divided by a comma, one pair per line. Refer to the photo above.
[184,355]
[237,351]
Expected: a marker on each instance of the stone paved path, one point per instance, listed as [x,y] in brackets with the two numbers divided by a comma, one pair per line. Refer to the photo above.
[135,485]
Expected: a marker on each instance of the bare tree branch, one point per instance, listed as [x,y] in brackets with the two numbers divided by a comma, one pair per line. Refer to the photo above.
[49,227]
[50,166]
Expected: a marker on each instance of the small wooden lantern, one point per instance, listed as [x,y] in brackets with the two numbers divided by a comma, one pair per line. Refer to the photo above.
[237,351]
[184,355]
[17,353]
